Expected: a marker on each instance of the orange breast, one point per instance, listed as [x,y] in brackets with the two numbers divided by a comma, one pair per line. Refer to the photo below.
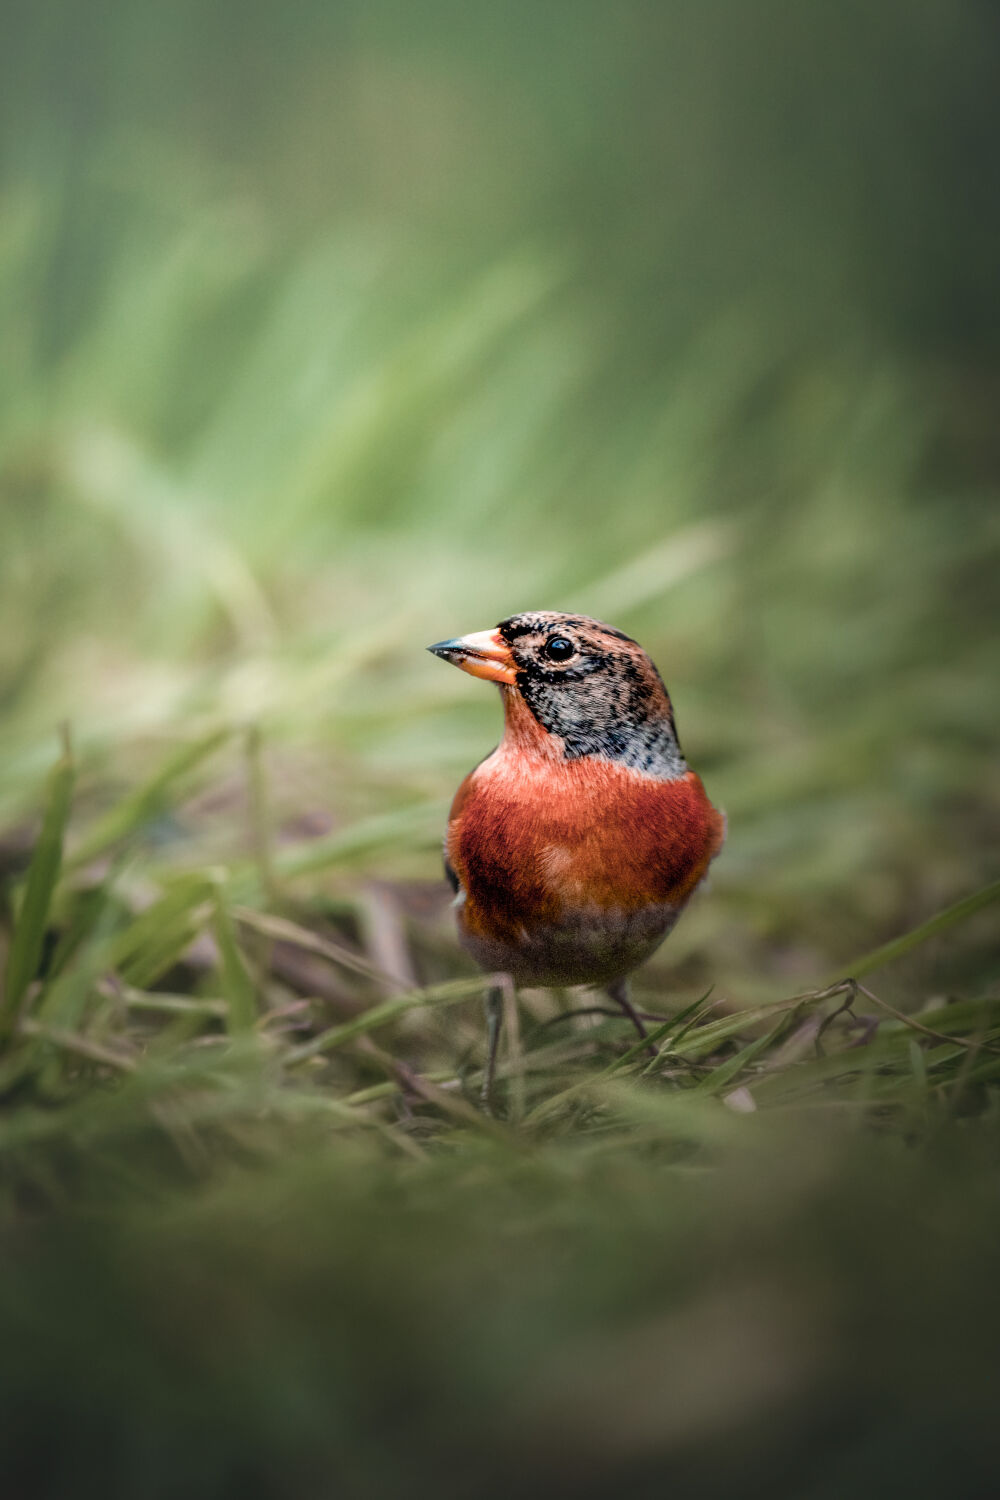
[534,841]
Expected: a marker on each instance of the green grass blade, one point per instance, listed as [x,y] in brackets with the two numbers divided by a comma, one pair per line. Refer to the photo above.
[64,998]
[582,1086]
[890,951]
[237,984]
[381,1015]
[148,800]
[43,873]
[698,1041]
[725,1074]
[283,930]
[421,820]
[185,898]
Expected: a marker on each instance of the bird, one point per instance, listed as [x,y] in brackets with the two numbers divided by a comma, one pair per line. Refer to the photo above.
[574,846]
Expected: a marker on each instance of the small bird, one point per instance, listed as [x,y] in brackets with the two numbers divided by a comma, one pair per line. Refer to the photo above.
[574,846]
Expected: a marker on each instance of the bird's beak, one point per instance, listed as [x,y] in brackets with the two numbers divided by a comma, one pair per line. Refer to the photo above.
[485,654]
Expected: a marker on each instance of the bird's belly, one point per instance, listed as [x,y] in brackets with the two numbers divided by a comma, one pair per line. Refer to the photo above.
[590,945]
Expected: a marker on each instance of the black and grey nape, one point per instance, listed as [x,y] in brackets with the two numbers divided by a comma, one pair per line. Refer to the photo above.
[606,729]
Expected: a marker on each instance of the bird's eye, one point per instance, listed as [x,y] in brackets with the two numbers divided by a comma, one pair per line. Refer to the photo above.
[559,648]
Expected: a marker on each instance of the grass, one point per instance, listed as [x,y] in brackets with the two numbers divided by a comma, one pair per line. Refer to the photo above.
[310,1260]
[324,336]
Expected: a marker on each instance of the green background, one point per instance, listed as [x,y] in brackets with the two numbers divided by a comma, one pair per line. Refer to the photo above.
[330,330]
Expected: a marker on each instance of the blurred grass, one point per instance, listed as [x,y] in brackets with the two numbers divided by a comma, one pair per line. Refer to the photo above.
[329,331]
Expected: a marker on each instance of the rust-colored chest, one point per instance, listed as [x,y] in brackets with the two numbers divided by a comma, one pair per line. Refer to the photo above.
[538,842]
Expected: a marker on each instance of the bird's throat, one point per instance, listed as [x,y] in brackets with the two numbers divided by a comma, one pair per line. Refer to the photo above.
[647,746]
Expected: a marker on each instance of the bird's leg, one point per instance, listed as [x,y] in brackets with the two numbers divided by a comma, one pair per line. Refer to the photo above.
[494,1021]
[618,992]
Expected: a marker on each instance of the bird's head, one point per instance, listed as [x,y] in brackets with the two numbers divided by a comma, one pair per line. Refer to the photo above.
[589,687]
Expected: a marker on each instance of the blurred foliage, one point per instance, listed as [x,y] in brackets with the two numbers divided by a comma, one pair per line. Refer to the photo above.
[342,329]
[496,1322]
[327,330]
[260,1241]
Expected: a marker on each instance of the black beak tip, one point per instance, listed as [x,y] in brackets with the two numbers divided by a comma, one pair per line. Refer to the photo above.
[445,649]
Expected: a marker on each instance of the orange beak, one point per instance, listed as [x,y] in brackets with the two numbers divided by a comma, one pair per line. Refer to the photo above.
[485,654]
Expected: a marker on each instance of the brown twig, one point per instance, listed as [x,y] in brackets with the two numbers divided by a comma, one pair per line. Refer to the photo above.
[852,988]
